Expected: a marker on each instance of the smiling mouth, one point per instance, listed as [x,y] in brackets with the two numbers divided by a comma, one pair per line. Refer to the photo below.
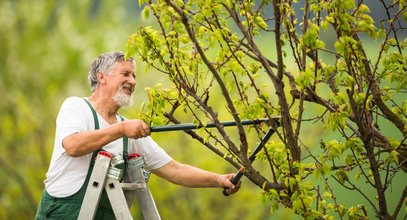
[129,89]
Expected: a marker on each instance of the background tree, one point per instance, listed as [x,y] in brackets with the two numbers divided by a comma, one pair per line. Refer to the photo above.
[314,64]
[46,49]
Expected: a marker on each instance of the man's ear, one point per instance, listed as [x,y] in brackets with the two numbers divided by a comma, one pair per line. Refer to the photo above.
[101,78]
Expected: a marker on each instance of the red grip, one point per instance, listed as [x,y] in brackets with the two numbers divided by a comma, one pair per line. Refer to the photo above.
[105,153]
[133,156]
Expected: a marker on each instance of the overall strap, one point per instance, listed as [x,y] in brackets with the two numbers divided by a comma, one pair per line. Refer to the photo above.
[96,121]
[95,116]
[125,145]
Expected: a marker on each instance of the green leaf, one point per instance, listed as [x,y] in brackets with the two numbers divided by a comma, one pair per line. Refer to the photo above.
[394,157]
[317,173]
[342,175]
[260,21]
[327,195]
[145,13]
[305,78]
[339,46]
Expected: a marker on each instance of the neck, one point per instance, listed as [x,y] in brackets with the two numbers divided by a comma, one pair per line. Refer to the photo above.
[105,106]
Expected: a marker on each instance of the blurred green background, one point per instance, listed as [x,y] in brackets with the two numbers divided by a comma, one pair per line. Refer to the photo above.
[46,48]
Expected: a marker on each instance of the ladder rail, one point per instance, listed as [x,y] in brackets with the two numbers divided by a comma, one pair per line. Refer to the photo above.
[95,187]
[144,197]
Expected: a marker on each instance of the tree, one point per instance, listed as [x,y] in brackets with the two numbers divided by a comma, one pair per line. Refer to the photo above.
[309,63]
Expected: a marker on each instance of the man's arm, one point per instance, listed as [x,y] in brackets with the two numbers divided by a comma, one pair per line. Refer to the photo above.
[81,143]
[190,176]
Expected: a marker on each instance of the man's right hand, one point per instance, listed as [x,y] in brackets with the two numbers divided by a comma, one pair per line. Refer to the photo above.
[135,129]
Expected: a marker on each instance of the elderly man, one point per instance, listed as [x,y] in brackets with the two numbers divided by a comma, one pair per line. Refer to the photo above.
[87,125]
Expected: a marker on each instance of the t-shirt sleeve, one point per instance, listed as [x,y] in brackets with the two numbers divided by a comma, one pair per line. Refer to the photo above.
[155,156]
[71,118]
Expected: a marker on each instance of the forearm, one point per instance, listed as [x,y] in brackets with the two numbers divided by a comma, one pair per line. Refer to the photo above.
[189,176]
[82,143]
[85,142]
[194,177]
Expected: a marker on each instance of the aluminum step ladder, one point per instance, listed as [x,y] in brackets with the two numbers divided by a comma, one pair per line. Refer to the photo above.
[106,175]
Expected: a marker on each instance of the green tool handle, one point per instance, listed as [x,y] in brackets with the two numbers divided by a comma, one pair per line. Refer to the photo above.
[190,126]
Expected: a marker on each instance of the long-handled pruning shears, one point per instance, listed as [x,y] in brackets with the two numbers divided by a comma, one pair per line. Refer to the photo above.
[190,126]
[235,180]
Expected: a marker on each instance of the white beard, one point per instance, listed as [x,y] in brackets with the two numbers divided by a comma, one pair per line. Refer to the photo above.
[122,99]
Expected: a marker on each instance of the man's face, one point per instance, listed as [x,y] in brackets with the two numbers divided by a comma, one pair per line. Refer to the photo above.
[121,81]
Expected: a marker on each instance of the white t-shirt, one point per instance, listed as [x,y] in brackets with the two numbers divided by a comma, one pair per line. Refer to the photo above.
[67,174]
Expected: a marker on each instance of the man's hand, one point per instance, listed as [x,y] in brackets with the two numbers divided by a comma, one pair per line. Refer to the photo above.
[225,181]
[135,129]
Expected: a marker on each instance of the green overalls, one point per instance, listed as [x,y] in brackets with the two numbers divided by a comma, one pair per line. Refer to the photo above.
[68,207]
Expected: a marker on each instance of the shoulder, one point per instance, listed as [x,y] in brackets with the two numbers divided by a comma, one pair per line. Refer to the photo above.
[74,103]
[75,113]
[74,107]
[74,100]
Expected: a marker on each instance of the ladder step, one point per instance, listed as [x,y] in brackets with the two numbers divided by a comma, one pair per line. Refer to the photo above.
[133,186]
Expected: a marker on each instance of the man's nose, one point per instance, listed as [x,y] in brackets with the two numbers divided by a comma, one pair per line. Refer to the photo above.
[132,80]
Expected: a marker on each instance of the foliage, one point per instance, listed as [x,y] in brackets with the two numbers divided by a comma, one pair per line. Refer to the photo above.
[47,47]
[305,62]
